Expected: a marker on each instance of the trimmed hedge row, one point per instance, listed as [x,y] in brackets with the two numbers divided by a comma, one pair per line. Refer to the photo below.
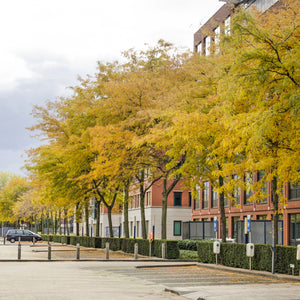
[231,254]
[123,244]
[234,255]
[188,245]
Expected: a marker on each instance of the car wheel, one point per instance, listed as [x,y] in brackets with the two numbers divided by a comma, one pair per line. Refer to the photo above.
[12,240]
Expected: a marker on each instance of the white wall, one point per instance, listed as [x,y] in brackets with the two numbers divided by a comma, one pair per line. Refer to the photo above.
[153,218]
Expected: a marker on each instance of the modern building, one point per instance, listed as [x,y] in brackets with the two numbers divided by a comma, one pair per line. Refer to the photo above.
[207,38]
[206,207]
[179,204]
[179,210]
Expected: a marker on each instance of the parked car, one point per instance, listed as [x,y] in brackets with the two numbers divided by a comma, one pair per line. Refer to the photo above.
[25,235]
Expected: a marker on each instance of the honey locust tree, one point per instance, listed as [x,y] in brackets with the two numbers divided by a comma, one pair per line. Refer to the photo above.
[12,190]
[130,95]
[159,72]
[196,126]
[66,156]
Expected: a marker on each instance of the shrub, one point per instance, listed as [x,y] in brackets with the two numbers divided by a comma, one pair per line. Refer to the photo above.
[234,255]
[172,250]
[187,245]
[188,255]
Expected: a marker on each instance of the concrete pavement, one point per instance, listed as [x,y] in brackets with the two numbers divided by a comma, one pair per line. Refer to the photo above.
[124,278]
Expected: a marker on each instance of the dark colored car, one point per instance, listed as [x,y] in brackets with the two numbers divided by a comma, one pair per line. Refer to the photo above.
[25,235]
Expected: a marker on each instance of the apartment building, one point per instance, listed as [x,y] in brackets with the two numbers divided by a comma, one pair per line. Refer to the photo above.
[179,210]
[207,38]
[206,207]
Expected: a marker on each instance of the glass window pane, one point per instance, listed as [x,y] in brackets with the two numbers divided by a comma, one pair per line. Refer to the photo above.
[177,228]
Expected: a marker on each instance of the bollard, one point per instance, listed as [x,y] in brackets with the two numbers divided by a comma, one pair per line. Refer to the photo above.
[4,241]
[136,250]
[33,241]
[78,251]
[163,250]
[107,251]
[19,251]
[49,251]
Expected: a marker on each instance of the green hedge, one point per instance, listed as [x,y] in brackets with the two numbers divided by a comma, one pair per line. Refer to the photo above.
[188,245]
[234,255]
[116,244]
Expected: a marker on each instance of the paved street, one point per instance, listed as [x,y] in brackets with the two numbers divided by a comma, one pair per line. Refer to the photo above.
[153,280]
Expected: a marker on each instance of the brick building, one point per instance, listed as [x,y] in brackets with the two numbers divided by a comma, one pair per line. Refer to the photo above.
[206,207]
[179,210]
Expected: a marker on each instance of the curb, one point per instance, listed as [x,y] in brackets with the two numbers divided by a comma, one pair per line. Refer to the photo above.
[250,272]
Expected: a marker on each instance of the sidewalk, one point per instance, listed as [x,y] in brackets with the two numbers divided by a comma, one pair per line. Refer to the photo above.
[61,252]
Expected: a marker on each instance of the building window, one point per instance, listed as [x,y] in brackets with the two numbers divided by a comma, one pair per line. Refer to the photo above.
[294,191]
[205,195]
[214,199]
[137,199]
[199,48]
[226,201]
[217,39]
[190,199]
[131,202]
[207,45]
[148,198]
[227,26]
[177,228]
[237,191]
[264,187]
[294,220]
[177,198]
[248,186]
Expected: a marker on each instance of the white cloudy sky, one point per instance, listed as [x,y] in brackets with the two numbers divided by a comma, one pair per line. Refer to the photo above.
[46,44]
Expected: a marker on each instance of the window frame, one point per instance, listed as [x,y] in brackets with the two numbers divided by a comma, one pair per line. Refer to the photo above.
[180,227]
[296,189]
[174,198]
[205,195]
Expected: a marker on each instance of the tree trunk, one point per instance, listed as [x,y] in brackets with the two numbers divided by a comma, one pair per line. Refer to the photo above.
[126,223]
[164,214]
[275,222]
[275,210]
[65,222]
[98,203]
[111,233]
[77,216]
[86,214]
[52,222]
[165,194]
[222,210]
[143,219]
[42,222]
[68,228]
[59,221]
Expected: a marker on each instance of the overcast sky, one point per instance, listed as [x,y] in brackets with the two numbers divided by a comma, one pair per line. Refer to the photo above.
[46,44]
